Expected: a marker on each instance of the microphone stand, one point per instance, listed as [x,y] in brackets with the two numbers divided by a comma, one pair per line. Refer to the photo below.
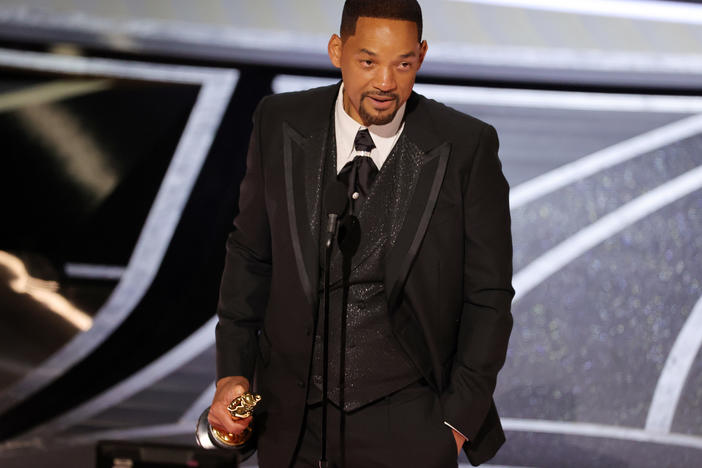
[331,229]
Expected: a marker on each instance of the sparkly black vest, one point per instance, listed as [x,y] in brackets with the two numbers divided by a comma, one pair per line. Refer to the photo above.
[374,363]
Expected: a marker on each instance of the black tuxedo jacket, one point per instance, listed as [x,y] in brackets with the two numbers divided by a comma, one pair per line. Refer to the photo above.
[447,278]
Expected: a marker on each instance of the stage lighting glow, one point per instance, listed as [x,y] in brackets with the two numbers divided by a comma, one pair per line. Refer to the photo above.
[50,92]
[42,291]
[73,148]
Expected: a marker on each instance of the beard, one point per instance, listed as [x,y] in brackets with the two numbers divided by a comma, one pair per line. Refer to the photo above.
[378,119]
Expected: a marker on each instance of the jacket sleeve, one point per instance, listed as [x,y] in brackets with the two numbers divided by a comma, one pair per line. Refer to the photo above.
[246,278]
[486,320]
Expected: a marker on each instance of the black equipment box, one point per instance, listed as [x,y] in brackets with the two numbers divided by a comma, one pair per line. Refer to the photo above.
[120,454]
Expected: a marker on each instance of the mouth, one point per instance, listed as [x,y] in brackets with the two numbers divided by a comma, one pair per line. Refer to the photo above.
[381,102]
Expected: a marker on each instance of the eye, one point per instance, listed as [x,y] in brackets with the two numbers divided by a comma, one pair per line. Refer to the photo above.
[405,65]
[366,63]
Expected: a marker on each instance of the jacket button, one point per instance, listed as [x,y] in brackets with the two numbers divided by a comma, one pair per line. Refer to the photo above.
[301,384]
[308,331]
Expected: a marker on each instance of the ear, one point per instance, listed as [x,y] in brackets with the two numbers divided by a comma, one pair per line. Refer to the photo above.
[334,50]
[423,47]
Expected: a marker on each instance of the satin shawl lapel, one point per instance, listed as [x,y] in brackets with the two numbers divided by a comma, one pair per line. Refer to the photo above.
[435,155]
[415,226]
[303,160]
[410,327]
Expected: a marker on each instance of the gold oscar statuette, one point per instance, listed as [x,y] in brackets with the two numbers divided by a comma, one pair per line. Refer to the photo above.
[240,407]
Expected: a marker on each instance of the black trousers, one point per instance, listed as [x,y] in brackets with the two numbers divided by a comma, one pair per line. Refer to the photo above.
[405,428]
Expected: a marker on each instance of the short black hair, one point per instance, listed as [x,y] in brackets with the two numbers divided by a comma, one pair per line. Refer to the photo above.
[407,10]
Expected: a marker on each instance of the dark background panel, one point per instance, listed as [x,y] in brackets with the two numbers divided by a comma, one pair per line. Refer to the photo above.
[133,128]
[78,176]
[184,293]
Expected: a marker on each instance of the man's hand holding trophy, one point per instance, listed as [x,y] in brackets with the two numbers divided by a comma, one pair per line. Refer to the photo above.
[227,423]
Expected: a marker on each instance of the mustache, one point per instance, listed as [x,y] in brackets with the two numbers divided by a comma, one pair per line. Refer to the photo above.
[381,94]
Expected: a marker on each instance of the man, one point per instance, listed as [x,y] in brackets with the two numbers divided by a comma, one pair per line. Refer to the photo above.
[420,313]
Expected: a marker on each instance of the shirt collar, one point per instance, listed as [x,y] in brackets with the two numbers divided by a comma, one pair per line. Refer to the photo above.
[384,136]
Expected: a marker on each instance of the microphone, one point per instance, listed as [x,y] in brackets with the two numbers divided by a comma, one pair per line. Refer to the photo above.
[336,200]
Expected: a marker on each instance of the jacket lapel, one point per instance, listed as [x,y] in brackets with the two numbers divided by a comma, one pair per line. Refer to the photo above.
[304,151]
[410,327]
[434,160]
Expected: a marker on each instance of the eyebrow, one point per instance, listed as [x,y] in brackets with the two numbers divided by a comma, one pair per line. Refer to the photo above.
[403,56]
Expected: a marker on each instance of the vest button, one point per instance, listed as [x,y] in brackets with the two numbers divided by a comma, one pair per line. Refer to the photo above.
[308,331]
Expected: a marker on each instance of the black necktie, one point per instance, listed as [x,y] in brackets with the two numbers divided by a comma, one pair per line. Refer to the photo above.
[359,173]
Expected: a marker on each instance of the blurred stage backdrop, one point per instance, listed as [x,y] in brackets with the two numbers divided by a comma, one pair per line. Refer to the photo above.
[123,129]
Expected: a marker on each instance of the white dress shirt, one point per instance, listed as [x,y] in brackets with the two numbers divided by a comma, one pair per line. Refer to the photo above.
[346,128]
[384,137]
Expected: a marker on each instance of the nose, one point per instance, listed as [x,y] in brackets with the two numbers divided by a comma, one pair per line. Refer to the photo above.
[385,79]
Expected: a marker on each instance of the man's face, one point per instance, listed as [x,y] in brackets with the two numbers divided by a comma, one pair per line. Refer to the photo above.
[378,64]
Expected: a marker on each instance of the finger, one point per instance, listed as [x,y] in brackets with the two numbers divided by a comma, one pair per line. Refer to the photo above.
[237,390]
[235,427]
[225,398]
[214,416]
[226,423]
[244,421]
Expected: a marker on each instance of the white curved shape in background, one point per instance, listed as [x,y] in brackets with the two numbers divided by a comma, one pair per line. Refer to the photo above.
[558,257]
[217,87]
[603,159]
[185,351]
[675,371]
